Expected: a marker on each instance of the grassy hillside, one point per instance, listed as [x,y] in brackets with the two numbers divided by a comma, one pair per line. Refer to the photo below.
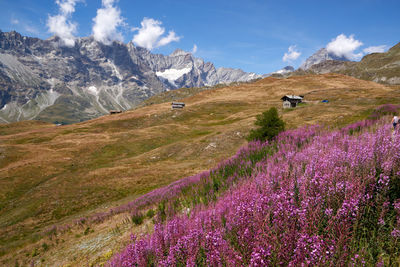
[379,67]
[309,197]
[54,175]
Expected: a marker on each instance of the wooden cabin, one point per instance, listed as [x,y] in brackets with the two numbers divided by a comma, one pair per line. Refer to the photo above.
[291,101]
[177,105]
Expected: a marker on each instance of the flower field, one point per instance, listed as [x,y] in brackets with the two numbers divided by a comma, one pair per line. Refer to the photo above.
[311,197]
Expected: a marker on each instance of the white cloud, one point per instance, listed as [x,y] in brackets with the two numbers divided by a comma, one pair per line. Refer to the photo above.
[150,35]
[171,37]
[67,6]
[343,46]
[14,21]
[194,50]
[292,54]
[61,25]
[375,49]
[106,23]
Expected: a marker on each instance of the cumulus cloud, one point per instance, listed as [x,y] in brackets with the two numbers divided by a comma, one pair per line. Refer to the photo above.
[14,21]
[343,46]
[61,25]
[106,23]
[292,54]
[150,34]
[194,49]
[375,49]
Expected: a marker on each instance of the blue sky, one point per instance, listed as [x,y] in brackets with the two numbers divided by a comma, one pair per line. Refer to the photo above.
[253,35]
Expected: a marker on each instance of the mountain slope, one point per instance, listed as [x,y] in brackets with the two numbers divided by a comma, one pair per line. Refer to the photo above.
[56,175]
[41,79]
[378,67]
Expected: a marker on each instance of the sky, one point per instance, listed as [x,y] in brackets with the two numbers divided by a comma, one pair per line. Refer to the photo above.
[253,35]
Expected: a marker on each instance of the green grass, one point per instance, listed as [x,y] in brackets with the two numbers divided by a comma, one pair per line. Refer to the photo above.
[220,123]
[10,154]
[216,111]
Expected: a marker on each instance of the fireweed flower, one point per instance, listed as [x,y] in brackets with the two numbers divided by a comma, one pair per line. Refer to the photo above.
[396,233]
[296,201]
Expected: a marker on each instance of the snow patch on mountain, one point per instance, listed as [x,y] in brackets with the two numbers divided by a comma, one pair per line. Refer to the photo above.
[93,90]
[285,70]
[173,74]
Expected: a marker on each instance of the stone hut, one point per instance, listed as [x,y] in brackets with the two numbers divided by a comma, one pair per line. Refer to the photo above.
[291,101]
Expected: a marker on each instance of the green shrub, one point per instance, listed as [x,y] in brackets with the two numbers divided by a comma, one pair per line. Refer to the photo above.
[150,213]
[137,218]
[87,231]
[45,246]
[270,125]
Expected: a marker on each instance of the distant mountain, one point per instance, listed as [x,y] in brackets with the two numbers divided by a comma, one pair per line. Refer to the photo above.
[378,67]
[321,55]
[284,71]
[39,79]
[182,69]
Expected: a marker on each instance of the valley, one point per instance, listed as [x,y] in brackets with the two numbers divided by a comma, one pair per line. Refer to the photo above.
[55,175]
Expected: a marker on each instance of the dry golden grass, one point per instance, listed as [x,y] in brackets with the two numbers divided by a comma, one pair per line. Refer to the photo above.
[52,175]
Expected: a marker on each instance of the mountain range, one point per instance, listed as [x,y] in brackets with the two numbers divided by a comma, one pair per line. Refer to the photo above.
[40,79]
[43,80]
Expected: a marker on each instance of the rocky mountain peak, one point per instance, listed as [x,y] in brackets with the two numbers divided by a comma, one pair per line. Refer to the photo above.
[179,52]
[288,68]
[284,71]
[41,79]
[320,56]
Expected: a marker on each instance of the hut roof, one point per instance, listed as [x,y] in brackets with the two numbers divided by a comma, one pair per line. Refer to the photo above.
[293,97]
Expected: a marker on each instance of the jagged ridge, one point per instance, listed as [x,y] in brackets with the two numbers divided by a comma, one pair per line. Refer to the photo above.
[41,79]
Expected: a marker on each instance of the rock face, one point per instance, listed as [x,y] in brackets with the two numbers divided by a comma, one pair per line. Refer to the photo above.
[39,79]
[329,66]
[319,57]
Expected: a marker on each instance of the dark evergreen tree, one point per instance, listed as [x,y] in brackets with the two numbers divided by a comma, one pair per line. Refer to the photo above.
[270,125]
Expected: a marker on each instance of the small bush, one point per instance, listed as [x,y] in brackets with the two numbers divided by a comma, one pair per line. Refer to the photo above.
[150,213]
[87,231]
[137,218]
[270,126]
[45,246]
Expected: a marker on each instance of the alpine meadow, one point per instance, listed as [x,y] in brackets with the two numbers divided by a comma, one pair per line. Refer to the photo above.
[183,133]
